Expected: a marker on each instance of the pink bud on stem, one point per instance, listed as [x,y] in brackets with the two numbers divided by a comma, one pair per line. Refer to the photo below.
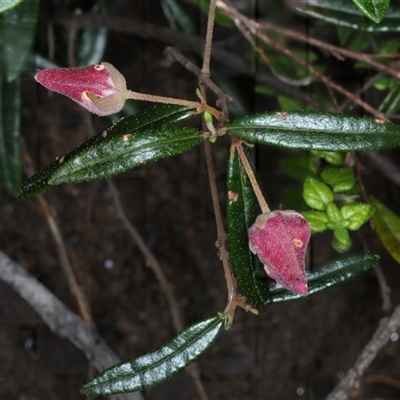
[280,239]
[101,89]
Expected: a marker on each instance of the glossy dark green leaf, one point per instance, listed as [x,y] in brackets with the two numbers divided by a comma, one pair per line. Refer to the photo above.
[345,13]
[154,367]
[330,274]
[17,34]
[316,131]
[6,5]
[115,151]
[242,211]
[387,227]
[373,9]
[10,142]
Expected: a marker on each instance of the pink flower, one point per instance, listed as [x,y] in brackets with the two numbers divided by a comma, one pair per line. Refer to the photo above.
[101,88]
[280,239]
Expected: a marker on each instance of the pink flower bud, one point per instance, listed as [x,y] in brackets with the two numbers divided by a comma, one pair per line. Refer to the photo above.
[280,239]
[101,88]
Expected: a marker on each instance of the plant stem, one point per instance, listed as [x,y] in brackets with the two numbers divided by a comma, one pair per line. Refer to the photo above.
[200,107]
[245,162]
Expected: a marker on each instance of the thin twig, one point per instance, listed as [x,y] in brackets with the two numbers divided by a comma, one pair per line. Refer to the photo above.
[76,291]
[365,58]
[149,257]
[185,42]
[155,266]
[59,318]
[352,379]
[257,28]
[209,39]
[176,55]
[237,144]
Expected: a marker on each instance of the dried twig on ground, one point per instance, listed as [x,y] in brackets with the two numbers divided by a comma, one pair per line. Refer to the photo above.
[352,379]
[59,318]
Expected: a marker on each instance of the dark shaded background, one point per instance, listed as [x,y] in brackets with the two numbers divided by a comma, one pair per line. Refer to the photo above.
[290,351]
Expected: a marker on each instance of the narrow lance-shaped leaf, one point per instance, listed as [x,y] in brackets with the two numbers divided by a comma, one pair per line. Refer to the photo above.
[242,212]
[316,131]
[6,5]
[328,275]
[373,9]
[387,227]
[137,148]
[345,13]
[10,142]
[156,366]
[17,33]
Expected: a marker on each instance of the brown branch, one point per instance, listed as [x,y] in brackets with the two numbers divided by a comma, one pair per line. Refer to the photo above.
[59,318]
[366,58]
[175,55]
[182,41]
[352,379]
[257,28]
[149,257]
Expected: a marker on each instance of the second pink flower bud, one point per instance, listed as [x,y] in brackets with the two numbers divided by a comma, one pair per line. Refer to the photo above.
[280,240]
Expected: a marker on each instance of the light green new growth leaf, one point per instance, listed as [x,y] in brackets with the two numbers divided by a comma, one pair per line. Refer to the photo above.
[373,9]
[356,214]
[333,213]
[156,366]
[387,227]
[318,220]
[340,179]
[316,194]
[341,241]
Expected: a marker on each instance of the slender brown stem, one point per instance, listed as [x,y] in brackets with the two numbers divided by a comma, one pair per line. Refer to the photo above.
[249,171]
[200,107]
[257,28]
[151,260]
[76,291]
[209,36]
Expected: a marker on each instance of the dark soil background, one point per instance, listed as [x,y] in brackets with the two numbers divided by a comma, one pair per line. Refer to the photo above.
[290,351]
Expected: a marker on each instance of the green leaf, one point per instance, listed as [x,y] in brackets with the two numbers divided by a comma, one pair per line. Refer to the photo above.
[92,41]
[387,227]
[318,220]
[115,151]
[391,103]
[17,34]
[331,157]
[154,367]
[328,275]
[220,18]
[341,239]
[10,142]
[241,209]
[177,17]
[356,214]
[345,13]
[333,213]
[316,194]
[316,131]
[6,5]
[373,9]
[340,179]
